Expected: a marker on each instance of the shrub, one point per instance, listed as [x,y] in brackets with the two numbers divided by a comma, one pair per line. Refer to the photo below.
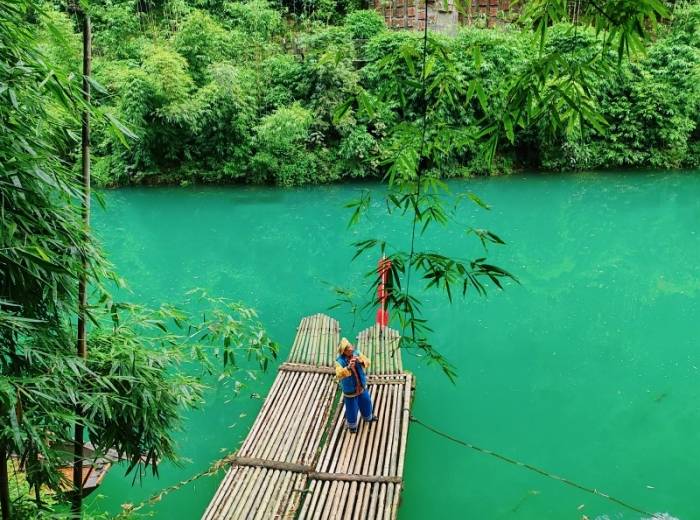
[364,24]
[358,154]
[202,41]
[281,147]
[284,80]
[255,17]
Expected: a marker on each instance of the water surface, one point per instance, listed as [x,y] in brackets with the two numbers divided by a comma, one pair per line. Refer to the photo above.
[588,368]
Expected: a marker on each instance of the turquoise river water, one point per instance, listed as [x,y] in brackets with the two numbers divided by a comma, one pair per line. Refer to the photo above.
[589,368]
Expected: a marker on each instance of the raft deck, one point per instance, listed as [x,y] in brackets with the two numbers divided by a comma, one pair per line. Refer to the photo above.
[299,461]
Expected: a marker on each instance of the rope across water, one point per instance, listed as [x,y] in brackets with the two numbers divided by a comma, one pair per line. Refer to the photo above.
[530,467]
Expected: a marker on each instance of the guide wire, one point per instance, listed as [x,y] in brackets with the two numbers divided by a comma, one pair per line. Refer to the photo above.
[535,469]
[424,128]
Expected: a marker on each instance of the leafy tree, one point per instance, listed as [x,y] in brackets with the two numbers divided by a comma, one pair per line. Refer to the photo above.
[282,153]
[201,52]
[256,18]
[130,393]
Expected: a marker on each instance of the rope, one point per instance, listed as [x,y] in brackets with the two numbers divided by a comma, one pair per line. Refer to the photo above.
[540,471]
[215,467]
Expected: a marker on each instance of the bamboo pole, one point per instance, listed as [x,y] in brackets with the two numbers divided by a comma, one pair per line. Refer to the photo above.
[370,462]
[404,423]
[221,493]
[4,485]
[279,493]
[311,500]
[320,417]
[246,490]
[293,506]
[294,430]
[361,501]
[265,413]
[239,482]
[267,488]
[77,496]
[301,330]
[352,502]
[250,497]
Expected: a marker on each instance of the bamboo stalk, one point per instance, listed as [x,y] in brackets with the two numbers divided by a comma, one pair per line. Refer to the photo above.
[382,498]
[249,492]
[396,424]
[386,442]
[278,495]
[321,418]
[334,438]
[404,423]
[368,461]
[322,497]
[265,412]
[361,501]
[284,413]
[247,476]
[374,496]
[309,500]
[304,348]
[334,501]
[309,413]
[283,431]
[352,502]
[77,497]
[290,508]
[294,350]
[267,487]
[220,494]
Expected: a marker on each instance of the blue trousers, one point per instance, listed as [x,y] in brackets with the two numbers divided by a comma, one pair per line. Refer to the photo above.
[363,403]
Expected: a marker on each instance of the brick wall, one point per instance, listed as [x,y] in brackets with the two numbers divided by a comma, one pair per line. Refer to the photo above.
[442,14]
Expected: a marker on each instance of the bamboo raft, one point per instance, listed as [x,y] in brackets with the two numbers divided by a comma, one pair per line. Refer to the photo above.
[299,461]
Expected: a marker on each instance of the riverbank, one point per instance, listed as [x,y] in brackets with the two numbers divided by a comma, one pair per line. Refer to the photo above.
[241,94]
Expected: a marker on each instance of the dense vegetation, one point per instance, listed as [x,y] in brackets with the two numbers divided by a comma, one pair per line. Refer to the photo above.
[224,91]
[129,392]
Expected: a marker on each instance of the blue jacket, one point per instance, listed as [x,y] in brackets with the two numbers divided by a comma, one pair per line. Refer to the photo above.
[348,382]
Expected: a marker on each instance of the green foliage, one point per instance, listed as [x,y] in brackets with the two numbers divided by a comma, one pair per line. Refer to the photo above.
[364,25]
[130,392]
[256,18]
[126,37]
[200,52]
[650,107]
[282,147]
[196,80]
[283,76]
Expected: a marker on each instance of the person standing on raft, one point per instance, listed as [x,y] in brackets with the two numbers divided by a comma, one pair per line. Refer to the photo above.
[350,372]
